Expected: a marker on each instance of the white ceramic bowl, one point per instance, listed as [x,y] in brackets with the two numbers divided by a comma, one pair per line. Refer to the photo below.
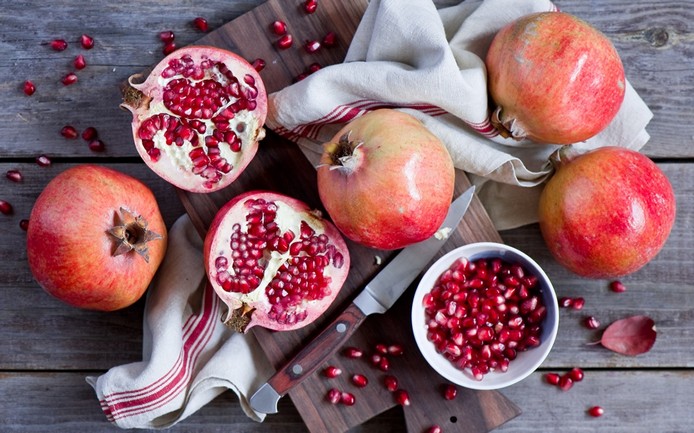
[526,362]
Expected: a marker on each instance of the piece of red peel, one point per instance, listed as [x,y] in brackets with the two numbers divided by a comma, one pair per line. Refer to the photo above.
[630,336]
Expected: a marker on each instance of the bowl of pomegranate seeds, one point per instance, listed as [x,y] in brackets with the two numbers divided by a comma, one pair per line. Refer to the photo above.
[485,315]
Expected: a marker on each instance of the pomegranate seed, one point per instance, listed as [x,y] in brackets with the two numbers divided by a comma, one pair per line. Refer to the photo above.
[347,399]
[79,62]
[375,359]
[384,364]
[565,382]
[29,88]
[300,77]
[43,161]
[395,350]
[310,6]
[596,411]
[334,396]
[312,46]
[285,42]
[279,28]
[167,36]
[89,134]
[14,175]
[59,44]
[69,79]
[565,302]
[258,64]
[552,378]
[390,382]
[402,397]
[5,207]
[592,323]
[360,380]
[200,23]
[578,303]
[97,146]
[332,372]
[382,349]
[618,287]
[169,48]
[434,429]
[450,391]
[576,374]
[69,131]
[330,39]
[24,224]
[314,67]
[352,352]
[87,42]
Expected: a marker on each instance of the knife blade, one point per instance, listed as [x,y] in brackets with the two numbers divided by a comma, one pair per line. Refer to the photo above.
[376,298]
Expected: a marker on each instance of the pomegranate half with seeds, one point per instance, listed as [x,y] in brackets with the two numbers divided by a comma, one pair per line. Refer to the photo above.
[198,117]
[274,261]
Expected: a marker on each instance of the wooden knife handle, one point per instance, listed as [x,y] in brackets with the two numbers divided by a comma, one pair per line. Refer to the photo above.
[315,353]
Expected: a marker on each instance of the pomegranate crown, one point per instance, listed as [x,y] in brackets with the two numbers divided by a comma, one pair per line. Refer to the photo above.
[132,234]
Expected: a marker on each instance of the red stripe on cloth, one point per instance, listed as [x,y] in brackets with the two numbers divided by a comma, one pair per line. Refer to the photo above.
[167,387]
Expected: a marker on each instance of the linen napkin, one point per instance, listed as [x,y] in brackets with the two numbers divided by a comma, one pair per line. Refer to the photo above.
[189,356]
[410,56]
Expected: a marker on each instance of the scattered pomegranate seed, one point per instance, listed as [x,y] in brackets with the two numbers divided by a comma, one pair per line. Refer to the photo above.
[352,352]
[578,303]
[97,145]
[167,36]
[24,224]
[69,79]
[566,302]
[382,349]
[402,397]
[347,399]
[300,77]
[434,429]
[310,6]
[59,44]
[565,382]
[332,372]
[14,175]
[384,364]
[279,28]
[200,23]
[89,134]
[360,380]
[29,88]
[334,396]
[330,39]
[552,378]
[69,131]
[591,322]
[375,359]
[449,391]
[258,64]
[314,67]
[87,42]
[312,46]
[169,48]
[79,62]
[6,207]
[396,350]
[390,382]
[596,411]
[618,287]
[285,42]
[576,374]
[43,161]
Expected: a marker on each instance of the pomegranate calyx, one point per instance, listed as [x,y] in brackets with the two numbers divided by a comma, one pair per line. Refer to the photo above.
[239,318]
[507,127]
[563,156]
[342,154]
[132,234]
[133,98]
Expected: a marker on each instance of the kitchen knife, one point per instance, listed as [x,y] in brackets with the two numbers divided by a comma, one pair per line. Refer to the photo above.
[378,295]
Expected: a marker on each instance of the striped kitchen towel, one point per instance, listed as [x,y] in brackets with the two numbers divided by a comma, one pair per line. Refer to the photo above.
[188,357]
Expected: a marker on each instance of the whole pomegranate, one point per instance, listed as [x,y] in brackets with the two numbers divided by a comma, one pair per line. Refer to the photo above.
[198,117]
[554,78]
[607,212]
[275,262]
[385,180]
[95,238]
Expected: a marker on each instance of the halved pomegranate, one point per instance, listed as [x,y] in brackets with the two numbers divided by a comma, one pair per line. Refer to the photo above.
[275,262]
[198,117]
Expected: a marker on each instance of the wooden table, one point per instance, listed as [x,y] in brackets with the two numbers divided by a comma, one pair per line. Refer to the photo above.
[47,348]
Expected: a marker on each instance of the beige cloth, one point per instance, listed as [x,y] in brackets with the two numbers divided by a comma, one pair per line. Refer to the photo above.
[427,62]
[188,356]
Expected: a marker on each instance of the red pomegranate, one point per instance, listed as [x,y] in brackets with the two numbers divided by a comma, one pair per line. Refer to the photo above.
[554,78]
[386,180]
[275,262]
[607,212]
[198,117]
[95,238]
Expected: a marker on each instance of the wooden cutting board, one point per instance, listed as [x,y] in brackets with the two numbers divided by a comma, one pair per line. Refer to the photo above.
[281,166]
